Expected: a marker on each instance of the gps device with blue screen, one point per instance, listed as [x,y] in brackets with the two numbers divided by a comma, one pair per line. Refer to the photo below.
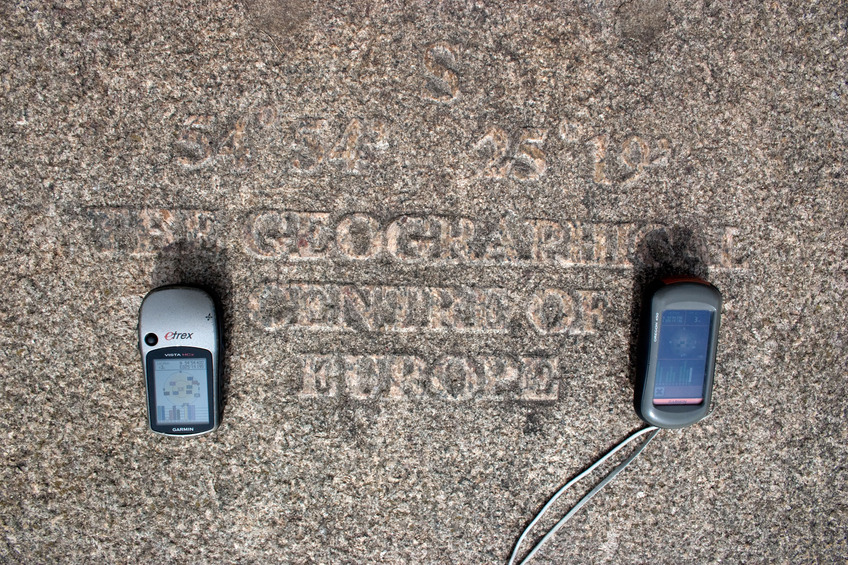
[678,352]
[180,343]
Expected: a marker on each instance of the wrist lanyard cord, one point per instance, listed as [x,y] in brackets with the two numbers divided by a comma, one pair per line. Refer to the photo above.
[653,430]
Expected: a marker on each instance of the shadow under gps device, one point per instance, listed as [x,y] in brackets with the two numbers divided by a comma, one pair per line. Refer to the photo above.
[677,353]
[179,335]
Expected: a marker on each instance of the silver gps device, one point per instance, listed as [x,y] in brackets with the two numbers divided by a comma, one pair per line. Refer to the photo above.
[179,336]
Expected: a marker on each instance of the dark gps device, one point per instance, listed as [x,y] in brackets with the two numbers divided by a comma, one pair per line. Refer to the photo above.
[677,352]
[180,343]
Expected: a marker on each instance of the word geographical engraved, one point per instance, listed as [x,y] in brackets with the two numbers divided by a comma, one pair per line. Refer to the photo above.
[454,312]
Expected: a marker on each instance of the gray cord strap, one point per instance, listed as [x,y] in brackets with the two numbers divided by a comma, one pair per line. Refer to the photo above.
[586,498]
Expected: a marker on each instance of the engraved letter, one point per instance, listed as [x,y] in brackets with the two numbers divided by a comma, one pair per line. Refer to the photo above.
[591,305]
[551,311]
[539,379]
[320,376]
[443,84]
[358,236]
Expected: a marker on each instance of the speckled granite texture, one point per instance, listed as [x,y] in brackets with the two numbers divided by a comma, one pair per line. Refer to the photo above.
[429,225]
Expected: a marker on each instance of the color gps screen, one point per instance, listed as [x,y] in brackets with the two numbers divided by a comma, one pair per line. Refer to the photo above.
[182,392]
[682,356]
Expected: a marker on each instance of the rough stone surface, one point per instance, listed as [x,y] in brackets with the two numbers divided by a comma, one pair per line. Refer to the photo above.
[429,225]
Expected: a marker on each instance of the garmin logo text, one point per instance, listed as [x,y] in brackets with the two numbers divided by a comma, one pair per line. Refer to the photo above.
[177,335]
[182,429]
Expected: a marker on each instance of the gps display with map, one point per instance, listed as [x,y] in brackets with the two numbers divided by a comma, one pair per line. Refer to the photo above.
[678,352]
[179,340]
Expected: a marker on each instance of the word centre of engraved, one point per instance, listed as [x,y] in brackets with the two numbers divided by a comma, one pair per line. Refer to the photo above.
[450,378]
[393,309]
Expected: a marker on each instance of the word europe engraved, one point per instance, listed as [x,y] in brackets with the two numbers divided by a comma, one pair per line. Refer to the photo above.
[450,378]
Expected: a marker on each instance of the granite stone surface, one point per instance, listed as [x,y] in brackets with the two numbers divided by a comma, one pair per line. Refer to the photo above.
[429,225]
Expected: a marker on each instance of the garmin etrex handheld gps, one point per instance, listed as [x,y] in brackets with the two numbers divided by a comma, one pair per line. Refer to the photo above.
[678,352]
[180,342]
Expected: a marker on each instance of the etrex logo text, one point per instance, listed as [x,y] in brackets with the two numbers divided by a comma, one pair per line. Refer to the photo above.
[177,335]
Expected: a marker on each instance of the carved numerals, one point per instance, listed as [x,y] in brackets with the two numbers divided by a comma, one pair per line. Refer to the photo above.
[204,140]
[317,145]
[309,144]
[194,145]
[523,156]
[521,159]
[627,160]
[529,160]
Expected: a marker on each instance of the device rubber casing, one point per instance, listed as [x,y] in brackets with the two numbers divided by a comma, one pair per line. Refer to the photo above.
[675,294]
[187,324]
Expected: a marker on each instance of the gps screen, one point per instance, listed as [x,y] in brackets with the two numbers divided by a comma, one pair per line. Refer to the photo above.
[182,392]
[682,356]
